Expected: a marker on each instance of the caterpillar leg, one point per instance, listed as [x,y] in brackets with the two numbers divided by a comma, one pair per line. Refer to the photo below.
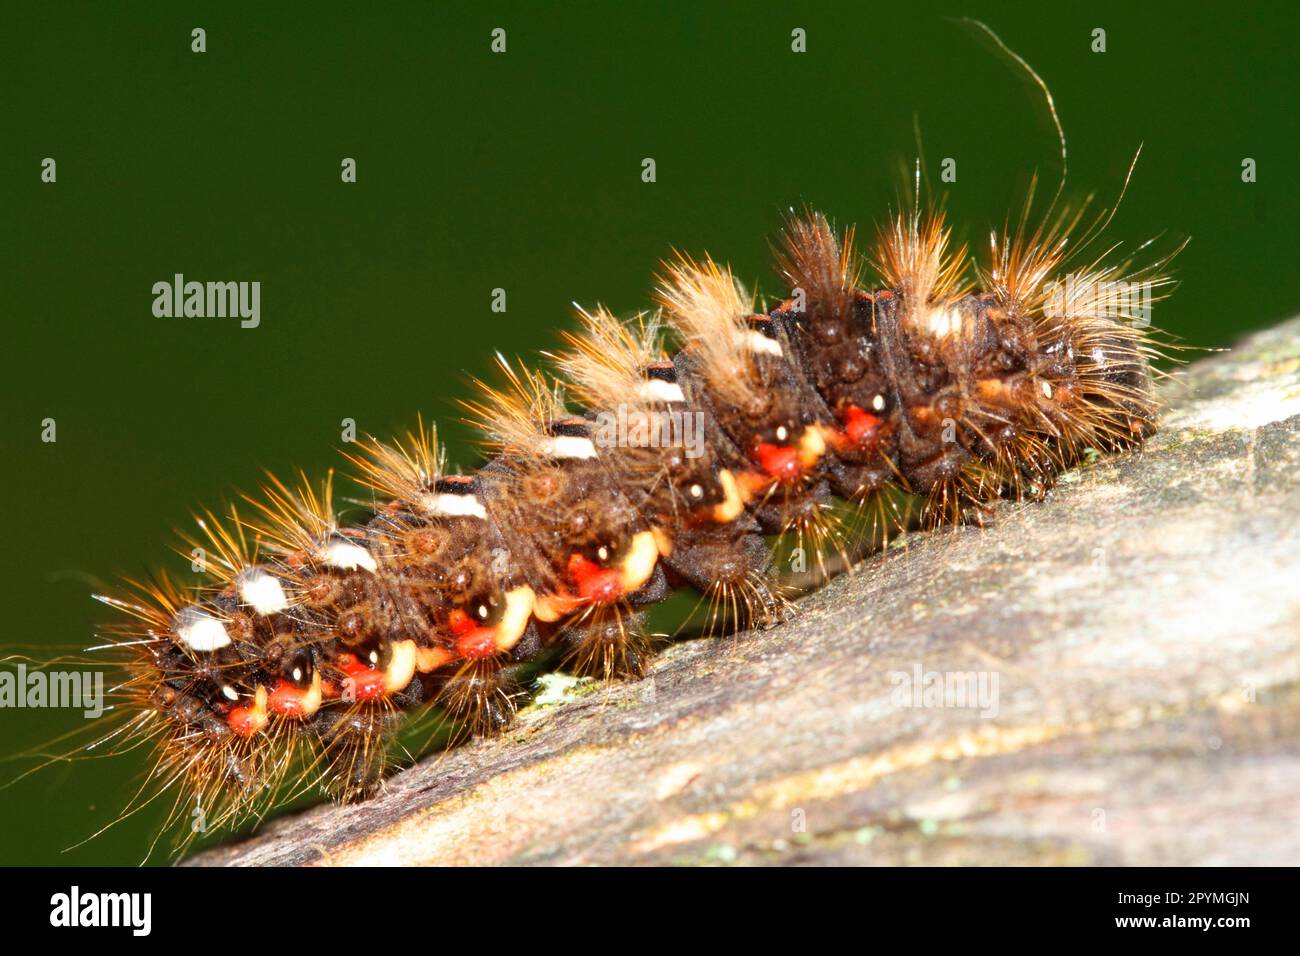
[228,778]
[353,744]
[610,643]
[732,568]
[482,694]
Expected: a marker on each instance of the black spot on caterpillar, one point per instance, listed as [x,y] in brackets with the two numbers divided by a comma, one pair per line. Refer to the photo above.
[656,454]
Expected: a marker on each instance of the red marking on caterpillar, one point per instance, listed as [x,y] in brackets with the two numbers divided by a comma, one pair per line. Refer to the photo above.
[860,426]
[780,462]
[246,721]
[596,585]
[473,642]
[290,701]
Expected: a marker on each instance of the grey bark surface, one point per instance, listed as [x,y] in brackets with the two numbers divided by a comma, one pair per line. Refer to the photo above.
[1142,625]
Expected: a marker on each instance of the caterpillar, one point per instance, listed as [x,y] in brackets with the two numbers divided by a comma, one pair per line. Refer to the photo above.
[911,385]
[651,454]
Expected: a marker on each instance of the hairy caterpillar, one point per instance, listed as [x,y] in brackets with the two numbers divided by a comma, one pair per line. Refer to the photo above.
[295,664]
[658,453]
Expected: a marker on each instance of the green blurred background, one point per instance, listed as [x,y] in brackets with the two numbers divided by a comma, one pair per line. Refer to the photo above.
[519,171]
